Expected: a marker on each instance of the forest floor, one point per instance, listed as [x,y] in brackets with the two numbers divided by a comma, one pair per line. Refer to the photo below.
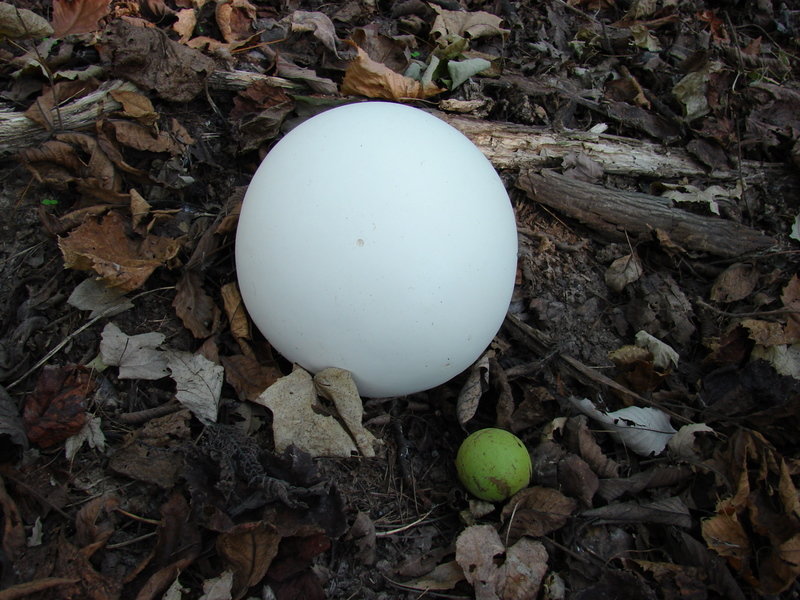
[651,152]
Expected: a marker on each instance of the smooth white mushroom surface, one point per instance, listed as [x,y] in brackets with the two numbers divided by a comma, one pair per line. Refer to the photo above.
[378,239]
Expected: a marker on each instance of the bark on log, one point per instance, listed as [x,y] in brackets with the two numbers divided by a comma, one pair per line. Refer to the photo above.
[18,132]
[616,213]
[508,146]
[511,146]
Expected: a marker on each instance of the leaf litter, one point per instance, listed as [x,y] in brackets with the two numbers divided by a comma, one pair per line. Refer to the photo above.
[198,463]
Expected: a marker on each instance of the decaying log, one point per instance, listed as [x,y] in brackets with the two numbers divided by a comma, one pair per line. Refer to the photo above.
[18,132]
[616,213]
[508,146]
[511,146]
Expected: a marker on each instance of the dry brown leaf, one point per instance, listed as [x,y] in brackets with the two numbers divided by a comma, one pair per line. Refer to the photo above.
[12,525]
[136,106]
[235,311]
[444,577]
[184,26]
[21,23]
[477,549]
[623,271]
[140,137]
[140,209]
[235,19]
[146,57]
[122,262]
[766,503]
[765,333]
[466,24]
[791,301]
[249,377]
[194,306]
[470,395]
[43,112]
[735,283]
[536,511]
[94,523]
[366,77]
[248,550]
[319,24]
[78,16]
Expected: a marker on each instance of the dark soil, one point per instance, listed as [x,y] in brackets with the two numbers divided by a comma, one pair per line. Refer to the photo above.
[167,504]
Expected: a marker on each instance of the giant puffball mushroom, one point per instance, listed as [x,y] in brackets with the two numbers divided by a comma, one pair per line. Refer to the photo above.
[376,238]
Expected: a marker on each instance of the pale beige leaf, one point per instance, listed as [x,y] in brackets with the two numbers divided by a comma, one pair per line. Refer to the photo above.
[135,355]
[337,385]
[93,295]
[523,570]
[478,549]
[292,400]
[199,383]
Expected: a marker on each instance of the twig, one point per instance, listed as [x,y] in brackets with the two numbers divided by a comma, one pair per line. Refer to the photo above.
[72,335]
[143,416]
[404,527]
[758,313]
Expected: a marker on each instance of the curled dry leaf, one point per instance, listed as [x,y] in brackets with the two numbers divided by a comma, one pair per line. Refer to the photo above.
[248,551]
[319,24]
[21,23]
[337,385]
[470,395]
[105,248]
[136,106]
[366,77]
[235,19]
[664,356]
[536,511]
[466,24]
[235,311]
[498,573]
[645,431]
[193,305]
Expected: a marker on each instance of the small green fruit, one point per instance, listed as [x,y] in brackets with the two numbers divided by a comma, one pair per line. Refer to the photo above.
[493,464]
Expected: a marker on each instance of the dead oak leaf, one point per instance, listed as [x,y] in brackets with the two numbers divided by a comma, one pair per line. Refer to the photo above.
[121,261]
[235,19]
[136,106]
[56,409]
[78,16]
[536,511]
[366,77]
[248,550]
[21,23]
[194,306]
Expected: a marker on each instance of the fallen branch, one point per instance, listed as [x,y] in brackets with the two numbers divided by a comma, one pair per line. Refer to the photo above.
[508,146]
[618,213]
[18,132]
